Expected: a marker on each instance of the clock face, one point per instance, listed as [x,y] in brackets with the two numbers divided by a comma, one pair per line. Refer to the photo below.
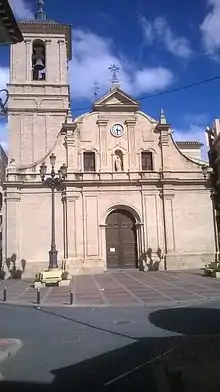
[117,130]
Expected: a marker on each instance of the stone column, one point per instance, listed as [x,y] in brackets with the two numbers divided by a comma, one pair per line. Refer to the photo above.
[11,229]
[130,123]
[103,245]
[65,226]
[139,240]
[28,45]
[103,145]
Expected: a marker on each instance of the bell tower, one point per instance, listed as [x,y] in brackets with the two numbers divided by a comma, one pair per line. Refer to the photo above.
[38,87]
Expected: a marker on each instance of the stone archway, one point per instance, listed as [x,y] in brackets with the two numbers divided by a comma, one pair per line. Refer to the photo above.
[121,239]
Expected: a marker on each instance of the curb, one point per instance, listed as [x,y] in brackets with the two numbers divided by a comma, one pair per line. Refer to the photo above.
[160,304]
[9,347]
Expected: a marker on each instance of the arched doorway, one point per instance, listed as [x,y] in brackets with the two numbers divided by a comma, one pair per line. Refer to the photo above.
[121,240]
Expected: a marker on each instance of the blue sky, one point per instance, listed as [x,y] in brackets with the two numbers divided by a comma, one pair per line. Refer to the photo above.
[157,44]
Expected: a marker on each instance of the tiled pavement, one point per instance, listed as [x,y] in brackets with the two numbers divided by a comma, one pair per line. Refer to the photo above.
[120,288]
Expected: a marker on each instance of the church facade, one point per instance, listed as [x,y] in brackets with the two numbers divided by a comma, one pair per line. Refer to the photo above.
[131,196]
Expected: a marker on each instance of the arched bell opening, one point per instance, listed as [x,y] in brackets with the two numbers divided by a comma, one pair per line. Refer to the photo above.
[38,60]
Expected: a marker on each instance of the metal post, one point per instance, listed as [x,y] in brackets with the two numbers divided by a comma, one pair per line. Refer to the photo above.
[4,294]
[53,181]
[53,252]
[38,296]
[71,296]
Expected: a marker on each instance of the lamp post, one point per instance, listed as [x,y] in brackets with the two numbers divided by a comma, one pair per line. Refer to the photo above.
[53,180]
[3,103]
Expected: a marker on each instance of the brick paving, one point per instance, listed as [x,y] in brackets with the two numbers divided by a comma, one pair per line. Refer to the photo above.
[120,288]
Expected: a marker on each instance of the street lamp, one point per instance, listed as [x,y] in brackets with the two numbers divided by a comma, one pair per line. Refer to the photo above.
[3,103]
[53,180]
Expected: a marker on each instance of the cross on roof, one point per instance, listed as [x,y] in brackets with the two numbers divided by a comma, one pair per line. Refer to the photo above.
[114,69]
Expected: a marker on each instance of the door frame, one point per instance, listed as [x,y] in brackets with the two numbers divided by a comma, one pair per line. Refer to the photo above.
[139,231]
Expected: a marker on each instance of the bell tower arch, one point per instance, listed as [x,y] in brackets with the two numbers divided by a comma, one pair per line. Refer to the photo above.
[38,87]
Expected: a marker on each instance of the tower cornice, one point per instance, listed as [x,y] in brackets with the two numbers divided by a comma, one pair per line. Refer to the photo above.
[47,27]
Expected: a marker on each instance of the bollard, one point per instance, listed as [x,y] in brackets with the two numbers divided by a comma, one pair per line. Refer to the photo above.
[38,296]
[4,294]
[71,296]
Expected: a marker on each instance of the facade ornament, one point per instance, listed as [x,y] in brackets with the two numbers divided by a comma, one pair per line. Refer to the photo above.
[118,163]
[12,165]
[163,119]
[40,14]
[115,82]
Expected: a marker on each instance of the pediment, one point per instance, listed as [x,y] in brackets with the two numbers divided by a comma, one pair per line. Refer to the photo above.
[116,99]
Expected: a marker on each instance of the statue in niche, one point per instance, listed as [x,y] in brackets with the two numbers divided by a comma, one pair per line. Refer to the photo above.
[118,163]
[38,61]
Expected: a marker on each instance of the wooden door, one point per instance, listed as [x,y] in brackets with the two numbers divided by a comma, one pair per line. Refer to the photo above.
[121,240]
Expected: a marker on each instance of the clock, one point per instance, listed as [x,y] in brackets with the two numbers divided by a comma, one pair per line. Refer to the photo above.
[117,130]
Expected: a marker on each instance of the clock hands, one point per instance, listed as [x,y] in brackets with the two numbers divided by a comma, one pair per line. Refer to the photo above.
[117,130]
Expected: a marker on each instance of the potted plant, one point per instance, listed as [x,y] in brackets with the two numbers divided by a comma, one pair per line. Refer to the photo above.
[65,279]
[64,275]
[217,272]
[210,268]
[38,280]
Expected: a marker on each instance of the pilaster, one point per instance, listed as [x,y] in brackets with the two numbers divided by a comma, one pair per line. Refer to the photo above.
[168,198]
[130,123]
[72,249]
[70,144]
[28,47]
[102,124]
[62,65]
[12,221]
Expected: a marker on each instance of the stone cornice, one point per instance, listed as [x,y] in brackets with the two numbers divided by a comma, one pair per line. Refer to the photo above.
[102,122]
[131,122]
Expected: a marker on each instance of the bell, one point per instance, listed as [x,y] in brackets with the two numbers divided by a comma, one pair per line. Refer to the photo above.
[39,65]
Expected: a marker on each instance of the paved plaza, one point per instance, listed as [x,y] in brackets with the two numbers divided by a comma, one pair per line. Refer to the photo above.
[120,288]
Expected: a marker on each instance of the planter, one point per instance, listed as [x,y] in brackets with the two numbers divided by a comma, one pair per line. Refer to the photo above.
[209,272]
[64,283]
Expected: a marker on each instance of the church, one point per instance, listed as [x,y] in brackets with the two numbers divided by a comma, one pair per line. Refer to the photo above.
[131,196]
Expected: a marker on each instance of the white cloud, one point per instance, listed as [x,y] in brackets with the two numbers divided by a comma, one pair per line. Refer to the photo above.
[210,29]
[92,55]
[196,118]
[159,31]
[21,9]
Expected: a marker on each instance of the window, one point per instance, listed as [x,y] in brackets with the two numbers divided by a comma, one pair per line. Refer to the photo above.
[38,60]
[89,161]
[146,160]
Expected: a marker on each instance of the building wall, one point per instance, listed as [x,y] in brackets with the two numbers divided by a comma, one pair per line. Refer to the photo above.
[170,204]
[194,153]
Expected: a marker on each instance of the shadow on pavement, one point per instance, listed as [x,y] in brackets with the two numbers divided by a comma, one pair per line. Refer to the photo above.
[188,321]
[137,366]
